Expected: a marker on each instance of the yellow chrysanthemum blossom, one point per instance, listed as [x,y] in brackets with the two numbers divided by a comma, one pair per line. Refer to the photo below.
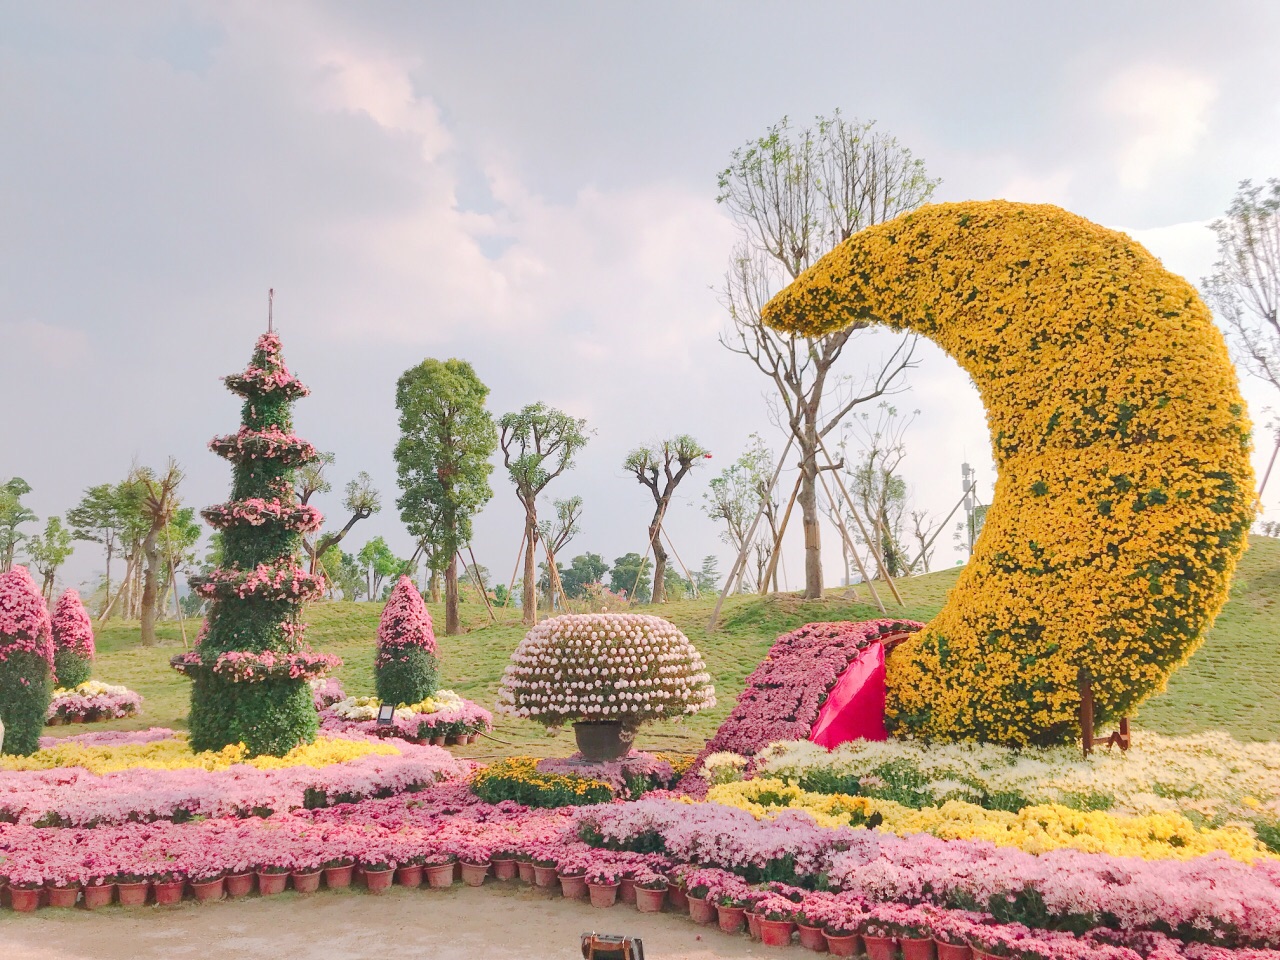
[1037,829]
[1125,489]
[175,754]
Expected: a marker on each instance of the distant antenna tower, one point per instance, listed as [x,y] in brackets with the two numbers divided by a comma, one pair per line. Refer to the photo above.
[271,298]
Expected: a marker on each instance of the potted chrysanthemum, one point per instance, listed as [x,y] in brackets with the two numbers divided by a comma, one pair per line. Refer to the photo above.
[606,673]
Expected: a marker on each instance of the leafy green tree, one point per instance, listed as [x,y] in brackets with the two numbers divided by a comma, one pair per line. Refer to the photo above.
[442,462]
[96,519]
[13,514]
[661,469]
[378,562]
[584,569]
[538,444]
[343,572]
[48,552]
[708,578]
[676,587]
[631,575]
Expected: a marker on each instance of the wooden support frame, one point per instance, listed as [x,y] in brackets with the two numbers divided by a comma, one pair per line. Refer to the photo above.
[848,539]
[1122,738]
[776,556]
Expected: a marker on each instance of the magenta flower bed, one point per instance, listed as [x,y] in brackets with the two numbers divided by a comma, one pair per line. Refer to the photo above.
[784,694]
[74,797]
[1213,898]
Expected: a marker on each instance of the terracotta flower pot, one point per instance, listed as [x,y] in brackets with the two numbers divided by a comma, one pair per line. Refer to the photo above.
[504,869]
[64,897]
[305,881]
[209,890]
[953,951]
[239,884]
[133,894]
[627,890]
[700,911]
[167,894]
[842,946]
[878,948]
[753,925]
[473,874]
[679,898]
[378,881]
[269,884]
[338,878]
[440,875]
[544,876]
[776,933]
[650,901]
[437,741]
[409,875]
[917,949]
[525,868]
[25,899]
[573,888]
[731,919]
[603,894]
[98,895]
[812,938]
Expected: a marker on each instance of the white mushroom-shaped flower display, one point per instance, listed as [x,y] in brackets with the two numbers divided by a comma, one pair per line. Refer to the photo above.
[605,666]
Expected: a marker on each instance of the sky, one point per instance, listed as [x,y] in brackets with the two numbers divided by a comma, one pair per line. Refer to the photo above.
[531,187]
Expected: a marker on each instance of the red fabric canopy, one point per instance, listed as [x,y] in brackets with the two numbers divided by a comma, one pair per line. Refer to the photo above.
[855,707]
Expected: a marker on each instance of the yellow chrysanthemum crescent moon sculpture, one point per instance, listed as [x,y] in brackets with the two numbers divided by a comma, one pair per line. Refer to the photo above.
[1124,490]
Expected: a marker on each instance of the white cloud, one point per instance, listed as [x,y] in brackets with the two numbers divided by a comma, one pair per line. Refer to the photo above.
[1164,114]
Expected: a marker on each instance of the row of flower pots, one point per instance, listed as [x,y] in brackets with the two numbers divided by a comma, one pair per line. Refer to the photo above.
[729,918]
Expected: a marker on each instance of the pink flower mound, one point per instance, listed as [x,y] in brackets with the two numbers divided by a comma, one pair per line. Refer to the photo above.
[24,618]
[72,628]
[784,694]
[405,622]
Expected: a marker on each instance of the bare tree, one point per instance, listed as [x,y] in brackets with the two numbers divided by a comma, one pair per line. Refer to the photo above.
[923,529]
[538,444]
[159,503]
[555,535]
[1244,288]
[737,494]
[795,195]
[661,469]
[361,499]
[877,486]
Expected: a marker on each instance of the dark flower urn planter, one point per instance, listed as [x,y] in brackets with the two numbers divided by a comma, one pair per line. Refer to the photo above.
[600,741]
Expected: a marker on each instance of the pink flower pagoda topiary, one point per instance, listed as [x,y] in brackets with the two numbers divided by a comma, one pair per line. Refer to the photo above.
[252,667]
[26,661]
[406,667]
[73,650]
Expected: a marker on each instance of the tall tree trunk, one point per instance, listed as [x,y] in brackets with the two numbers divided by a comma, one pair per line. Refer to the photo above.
[812,534]
[106,597]
[659,556]
[529,592]
[451,626]
[151,549]
[433,586]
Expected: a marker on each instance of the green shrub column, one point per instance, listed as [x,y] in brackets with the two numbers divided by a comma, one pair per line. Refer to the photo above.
[241,691]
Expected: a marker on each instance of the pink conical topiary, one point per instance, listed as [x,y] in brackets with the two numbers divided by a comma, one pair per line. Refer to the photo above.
[405,667]
[26,661]
[73,649]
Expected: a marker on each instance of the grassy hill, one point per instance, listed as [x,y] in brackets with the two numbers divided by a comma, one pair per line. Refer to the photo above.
[1230,684]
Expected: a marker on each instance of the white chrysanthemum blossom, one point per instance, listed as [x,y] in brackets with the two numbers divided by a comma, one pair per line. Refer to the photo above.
[605,666]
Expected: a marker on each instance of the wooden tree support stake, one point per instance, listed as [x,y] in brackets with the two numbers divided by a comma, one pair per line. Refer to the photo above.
[1121,738]
[480,582]
[844,531]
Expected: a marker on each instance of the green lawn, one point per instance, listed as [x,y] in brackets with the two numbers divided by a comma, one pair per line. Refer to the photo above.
[1230,683]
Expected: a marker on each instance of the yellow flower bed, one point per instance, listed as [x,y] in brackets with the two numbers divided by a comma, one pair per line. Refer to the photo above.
[1124,490]
[175,754]
[1157,836]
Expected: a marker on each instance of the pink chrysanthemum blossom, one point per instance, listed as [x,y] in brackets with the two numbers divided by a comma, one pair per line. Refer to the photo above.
[72,628]
[24,618]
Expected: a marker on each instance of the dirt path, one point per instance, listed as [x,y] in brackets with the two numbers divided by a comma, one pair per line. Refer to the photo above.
[507,921]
